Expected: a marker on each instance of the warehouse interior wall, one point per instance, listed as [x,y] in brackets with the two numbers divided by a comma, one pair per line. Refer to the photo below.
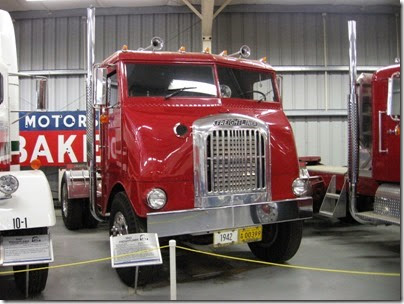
[308,46]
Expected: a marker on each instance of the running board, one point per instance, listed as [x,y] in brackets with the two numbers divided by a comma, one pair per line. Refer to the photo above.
[334,204]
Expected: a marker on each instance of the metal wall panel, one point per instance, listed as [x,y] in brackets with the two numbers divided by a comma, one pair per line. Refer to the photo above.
[321,136]
[287,39]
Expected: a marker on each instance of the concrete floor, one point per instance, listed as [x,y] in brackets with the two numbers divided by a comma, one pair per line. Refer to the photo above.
[325,244]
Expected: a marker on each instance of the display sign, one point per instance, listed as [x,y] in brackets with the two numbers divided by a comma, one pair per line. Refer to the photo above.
[26,249]
[55,138]
[136,249]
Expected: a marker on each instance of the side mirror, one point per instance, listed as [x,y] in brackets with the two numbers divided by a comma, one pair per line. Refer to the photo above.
[394,96]
[1,89]
[100,86]
[41,94]
[279,82]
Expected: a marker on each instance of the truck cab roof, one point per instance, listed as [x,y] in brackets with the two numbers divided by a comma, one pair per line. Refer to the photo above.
[184,57]
[386,72]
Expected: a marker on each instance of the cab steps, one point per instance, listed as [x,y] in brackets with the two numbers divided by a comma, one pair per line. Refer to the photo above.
[334,204]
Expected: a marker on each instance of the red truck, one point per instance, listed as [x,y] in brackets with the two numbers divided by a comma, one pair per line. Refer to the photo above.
[374,153]
[192,144]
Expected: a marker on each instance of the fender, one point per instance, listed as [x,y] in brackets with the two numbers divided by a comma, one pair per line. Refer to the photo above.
[32,203]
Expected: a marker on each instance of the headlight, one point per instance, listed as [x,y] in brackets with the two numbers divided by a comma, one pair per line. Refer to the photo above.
[156,198]
[8,184]
[300,187]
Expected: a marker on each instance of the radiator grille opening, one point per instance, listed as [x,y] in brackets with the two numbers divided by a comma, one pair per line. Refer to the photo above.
[235,161]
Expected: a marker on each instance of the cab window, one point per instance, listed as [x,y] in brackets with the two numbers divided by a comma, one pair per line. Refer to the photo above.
[112,89]
[246,84]
[170,80]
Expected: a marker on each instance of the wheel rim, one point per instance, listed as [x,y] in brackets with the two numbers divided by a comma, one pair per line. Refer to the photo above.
[64,200]
[120,226]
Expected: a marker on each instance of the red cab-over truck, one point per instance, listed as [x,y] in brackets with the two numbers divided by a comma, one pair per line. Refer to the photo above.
[374,152]
[192,144]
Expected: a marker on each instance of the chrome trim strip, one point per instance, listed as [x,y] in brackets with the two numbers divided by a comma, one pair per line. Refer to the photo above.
[284,69]
[205,220]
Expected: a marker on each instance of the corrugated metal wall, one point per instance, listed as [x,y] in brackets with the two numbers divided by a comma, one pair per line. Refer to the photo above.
[287,39]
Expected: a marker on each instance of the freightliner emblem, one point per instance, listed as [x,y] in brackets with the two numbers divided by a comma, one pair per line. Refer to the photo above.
[235,122]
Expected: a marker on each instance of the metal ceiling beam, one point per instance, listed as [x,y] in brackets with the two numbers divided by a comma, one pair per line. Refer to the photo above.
[226,3]
[207,23]
[192,8]
[207,7]
[237,8]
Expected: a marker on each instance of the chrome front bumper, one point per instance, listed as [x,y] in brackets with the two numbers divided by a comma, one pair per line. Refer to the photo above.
[205,220]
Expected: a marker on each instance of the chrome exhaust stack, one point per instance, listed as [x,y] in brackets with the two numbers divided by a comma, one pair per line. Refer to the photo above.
[353,125]
[91,116]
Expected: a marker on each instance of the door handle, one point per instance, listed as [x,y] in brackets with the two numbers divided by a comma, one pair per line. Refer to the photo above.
[381,150]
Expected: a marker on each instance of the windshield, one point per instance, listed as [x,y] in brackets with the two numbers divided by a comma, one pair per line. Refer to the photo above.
[246,84]
[163,80]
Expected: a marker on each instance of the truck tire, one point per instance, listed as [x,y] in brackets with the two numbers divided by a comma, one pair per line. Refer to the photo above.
[279,242]
[72,210]
[37,278]
[88,220]
[126,221]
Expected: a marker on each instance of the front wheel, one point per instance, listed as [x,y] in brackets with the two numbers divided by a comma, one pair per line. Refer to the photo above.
[279,243]
[123,220]
[36,280]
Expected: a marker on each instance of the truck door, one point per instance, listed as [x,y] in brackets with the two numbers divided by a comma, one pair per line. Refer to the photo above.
[386,161]
[111,135]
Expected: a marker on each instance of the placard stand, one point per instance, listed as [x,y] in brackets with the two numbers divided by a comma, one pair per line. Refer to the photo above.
[136,278]
[26,281]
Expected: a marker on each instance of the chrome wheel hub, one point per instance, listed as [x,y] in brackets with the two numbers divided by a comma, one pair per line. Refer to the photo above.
[64,201]
[120,226]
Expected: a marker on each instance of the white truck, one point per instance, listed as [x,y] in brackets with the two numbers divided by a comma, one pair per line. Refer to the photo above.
[26,204]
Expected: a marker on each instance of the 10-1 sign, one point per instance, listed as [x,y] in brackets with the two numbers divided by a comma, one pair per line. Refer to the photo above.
[18,223]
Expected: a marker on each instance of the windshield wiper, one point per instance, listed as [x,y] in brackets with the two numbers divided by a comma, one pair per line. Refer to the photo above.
[177,91]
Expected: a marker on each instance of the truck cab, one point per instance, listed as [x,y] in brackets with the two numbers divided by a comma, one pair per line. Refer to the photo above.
[193,145]
[378,192]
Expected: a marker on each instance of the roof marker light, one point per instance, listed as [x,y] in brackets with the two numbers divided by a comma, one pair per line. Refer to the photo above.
[182,49]
[223,53]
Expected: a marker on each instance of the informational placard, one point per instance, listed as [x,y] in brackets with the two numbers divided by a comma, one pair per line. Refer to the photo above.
[136,249]
[26,249]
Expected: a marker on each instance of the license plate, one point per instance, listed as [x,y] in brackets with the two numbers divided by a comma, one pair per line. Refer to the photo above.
[225,237]
[250,234]
[237,236]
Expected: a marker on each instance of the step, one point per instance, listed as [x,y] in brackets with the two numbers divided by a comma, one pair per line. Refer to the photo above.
[325,213]
[378,218]
[332,195]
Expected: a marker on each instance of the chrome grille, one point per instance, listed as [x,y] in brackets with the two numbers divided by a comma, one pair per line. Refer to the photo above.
[235,161]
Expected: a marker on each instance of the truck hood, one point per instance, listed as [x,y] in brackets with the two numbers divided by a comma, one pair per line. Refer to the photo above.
[155,152]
